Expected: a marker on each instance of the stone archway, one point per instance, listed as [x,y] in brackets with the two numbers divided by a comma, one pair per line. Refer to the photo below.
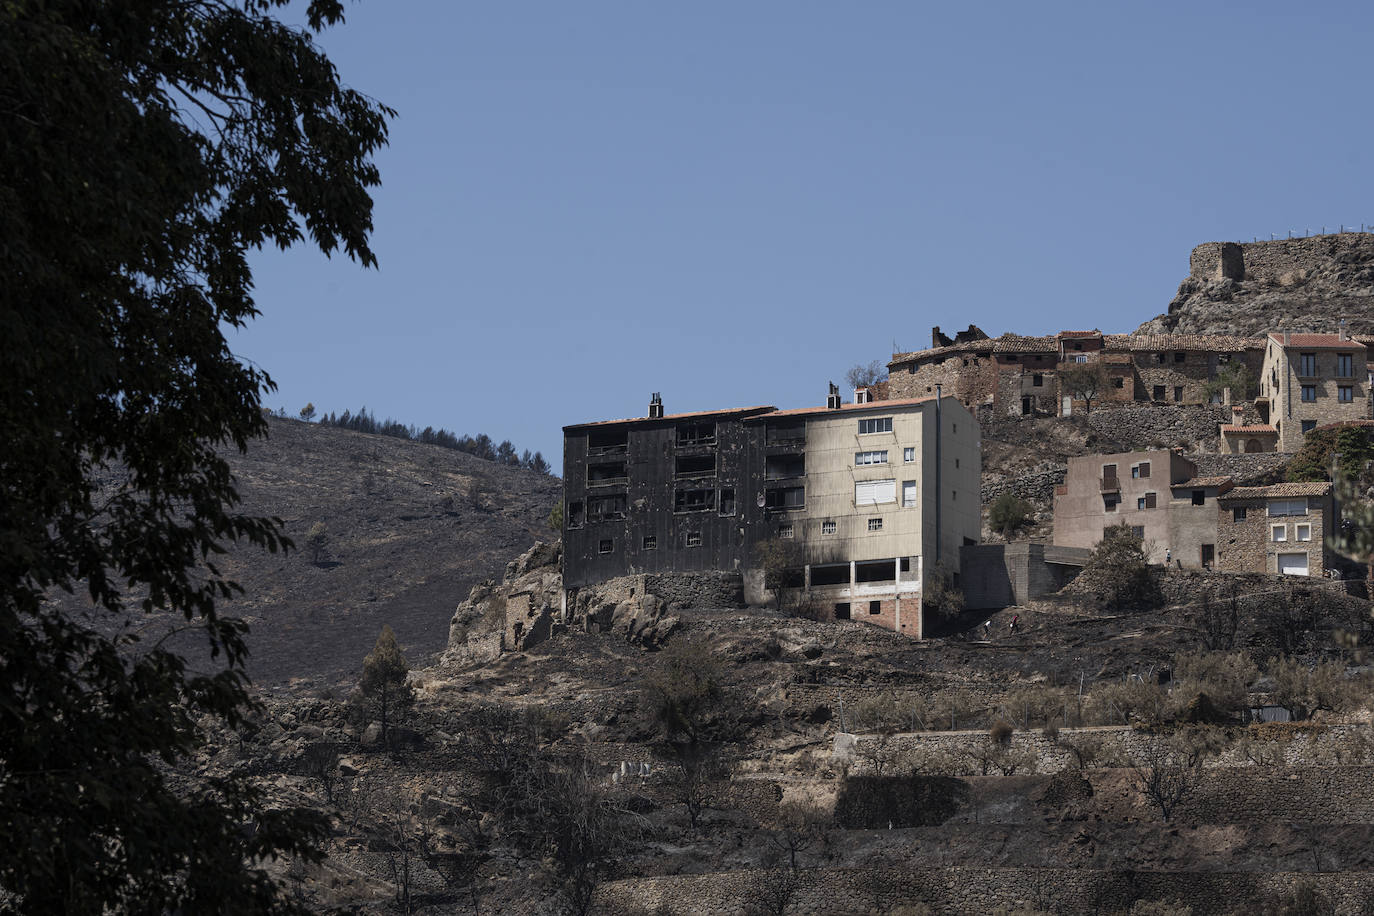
[1253,445]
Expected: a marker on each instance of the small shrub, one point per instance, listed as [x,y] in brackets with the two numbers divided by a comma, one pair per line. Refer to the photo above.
[1001,733]
[1118,572]
[315,542]
[1009,513]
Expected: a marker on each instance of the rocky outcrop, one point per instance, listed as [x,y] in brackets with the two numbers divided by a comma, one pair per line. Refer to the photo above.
[1306,284]
[519,613]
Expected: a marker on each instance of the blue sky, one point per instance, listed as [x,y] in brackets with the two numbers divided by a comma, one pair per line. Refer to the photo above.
[734,203]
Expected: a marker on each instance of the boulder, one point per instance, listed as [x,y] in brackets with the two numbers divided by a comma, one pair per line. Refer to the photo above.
[372,735]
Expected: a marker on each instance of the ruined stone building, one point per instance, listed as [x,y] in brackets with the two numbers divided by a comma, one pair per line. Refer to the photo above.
[1019,375]
[875,497]
[1309,380]
[1198,522]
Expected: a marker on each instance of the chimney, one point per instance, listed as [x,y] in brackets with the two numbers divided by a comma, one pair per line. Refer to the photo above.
[832,400]
[656,407]
[1287,338]
[1343,333]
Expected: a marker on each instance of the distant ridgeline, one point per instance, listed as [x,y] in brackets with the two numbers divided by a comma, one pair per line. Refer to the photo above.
[480,445]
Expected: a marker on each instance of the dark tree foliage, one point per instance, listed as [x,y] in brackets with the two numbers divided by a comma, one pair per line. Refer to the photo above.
[479,446]
[1084,381]
[384,691]
[145,149]
[1347,450]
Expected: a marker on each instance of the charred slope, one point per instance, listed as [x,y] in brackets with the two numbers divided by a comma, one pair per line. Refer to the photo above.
[411,528]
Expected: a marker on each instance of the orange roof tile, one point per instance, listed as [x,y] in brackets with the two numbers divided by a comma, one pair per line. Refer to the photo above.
[1079,334]
[1317,341]
[1223,481]
[1224,343]
[1280,490]
[1248,430]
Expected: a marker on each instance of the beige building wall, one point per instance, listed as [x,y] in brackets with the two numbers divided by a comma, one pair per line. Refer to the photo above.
[1328,368]
[1091,500]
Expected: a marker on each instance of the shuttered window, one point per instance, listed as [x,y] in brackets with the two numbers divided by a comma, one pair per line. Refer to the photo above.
[873,492]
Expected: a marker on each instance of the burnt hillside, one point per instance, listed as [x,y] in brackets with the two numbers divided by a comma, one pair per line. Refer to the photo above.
[411,529]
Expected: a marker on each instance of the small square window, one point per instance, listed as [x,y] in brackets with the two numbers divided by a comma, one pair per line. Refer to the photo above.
[827,527]
[1308,426]
[1345,394]
[875,524]
[909,454]
[694,539]
[651,542]
[1302,533]
[605,545]
[1140,502]
[1180,357]
[1199,497]
[875,607]
[1038,380]
[1278,533]
[1118,383]
[1157,393]
[786,531]
[1238,514]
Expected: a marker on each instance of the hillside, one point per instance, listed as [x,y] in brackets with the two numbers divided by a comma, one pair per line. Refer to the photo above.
[407,540]
[1306,284]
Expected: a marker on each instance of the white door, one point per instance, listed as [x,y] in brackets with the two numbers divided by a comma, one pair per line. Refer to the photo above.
[908,493]
[1293,564]
[1067,406]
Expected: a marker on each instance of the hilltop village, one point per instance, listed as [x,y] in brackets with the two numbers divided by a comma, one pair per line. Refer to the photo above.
[871,509]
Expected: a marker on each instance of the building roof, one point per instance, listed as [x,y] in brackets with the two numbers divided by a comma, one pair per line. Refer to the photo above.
[729,412]
[876,406]
[1093,333]
[1224,343]
[1341,424]
[1221,481]
[1280,490]
[1253,429]
[1317,341]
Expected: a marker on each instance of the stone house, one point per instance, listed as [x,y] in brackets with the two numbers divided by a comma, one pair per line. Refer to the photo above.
[1018,375]
[1309,380]
[876,496]
[1157,493]
[1283,528]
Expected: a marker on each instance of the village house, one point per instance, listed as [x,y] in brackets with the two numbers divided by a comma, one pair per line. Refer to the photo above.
[1283,528]
[878,497]
[1157,493]
[1308,380]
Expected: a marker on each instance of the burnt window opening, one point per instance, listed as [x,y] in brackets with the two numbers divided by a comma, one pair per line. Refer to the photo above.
[785,432]
[830,574]
[875,571]
[1199,497]
[651,542]
[609,472]
[606,508]
[605,545]
[842,610]
[777,467]
[875,607]
[727,502]
[696,434]
[575,516]
[693,539]
[607,441]
[787,531]
[694,500]
[695,466]
[785,498]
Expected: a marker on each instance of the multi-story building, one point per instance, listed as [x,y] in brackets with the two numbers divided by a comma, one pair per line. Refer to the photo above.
[876,496]
[1308,380]
[1157,493]
[1283,528]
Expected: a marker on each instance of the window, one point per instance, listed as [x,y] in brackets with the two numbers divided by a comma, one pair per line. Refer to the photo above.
[1344,368]
[651,542]
[786,531]
[1199,497]
[695,465]
[1148,501]
[779,467]
[1345,393]
[1180,357]
[1309,392]
[908,455]
[873,457]
[696,434]
[1279,507]
[1038,380]
[1109,476]
[1159,357]
[875,492]
[905,563]
[1118,383]
[1157,393]
[575,517]
[694,500]
[875,524]
[727,502]
[1079,358]
[606,508]
[694,539]
[605,545]
[1308,426]
[605,473]
[875,607]
[785,498]
[827,527]
[1178,393]
[1110,501]
[1278,533]
[1307,365]
[875,425]
[1302,533]
[1238,514]
[1138,531]
[1141,471]
[908,493]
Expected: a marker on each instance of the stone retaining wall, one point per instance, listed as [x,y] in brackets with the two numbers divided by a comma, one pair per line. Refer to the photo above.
[959,891]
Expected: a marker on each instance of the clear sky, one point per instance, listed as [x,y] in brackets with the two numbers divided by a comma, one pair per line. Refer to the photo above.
[732,203]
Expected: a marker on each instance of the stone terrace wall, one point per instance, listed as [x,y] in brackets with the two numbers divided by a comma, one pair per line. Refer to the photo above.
[697,590]
[959,891]
[1145,424]
[1269,260]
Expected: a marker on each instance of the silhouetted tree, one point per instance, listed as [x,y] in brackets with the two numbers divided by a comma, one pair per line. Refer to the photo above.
[385,690]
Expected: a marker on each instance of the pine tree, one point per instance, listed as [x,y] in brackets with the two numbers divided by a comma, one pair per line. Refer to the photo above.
[384,689]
